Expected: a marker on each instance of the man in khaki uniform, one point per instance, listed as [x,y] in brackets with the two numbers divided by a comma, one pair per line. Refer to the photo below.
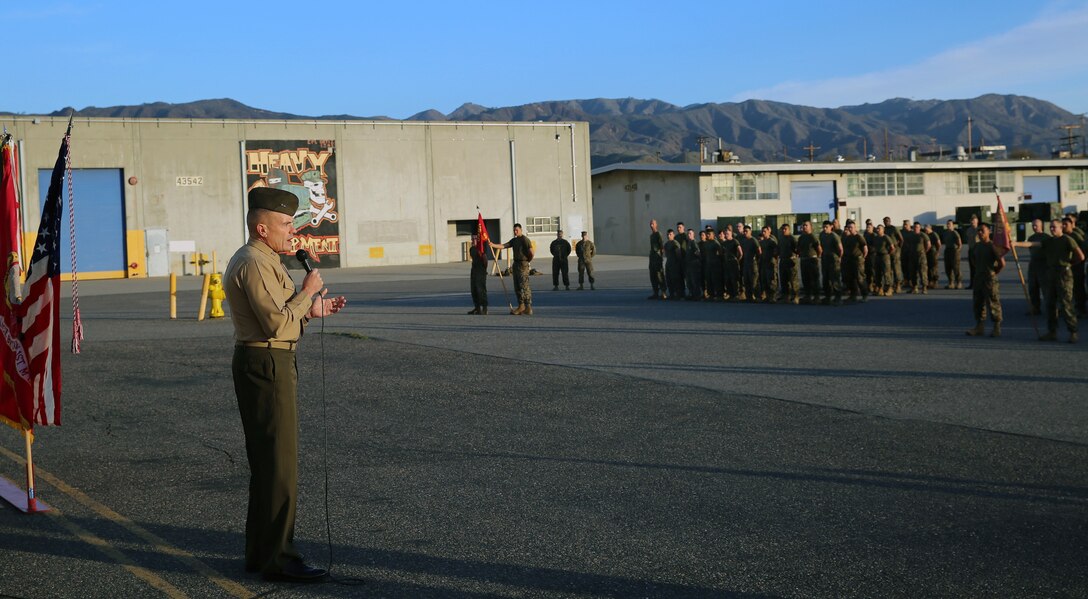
[268,316]
[586,251]
[522,249]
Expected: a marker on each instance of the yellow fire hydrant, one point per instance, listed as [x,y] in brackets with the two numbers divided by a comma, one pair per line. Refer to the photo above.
[217,295]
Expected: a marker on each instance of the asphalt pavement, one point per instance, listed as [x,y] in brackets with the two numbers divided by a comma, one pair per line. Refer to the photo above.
[607,446]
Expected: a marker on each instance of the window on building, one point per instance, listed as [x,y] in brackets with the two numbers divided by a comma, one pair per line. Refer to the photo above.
[984,181]
[954,184]
[744,186]
[542,224]
[1078,179]
[884,184]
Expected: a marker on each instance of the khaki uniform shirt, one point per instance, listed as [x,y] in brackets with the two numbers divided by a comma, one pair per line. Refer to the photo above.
[263,303]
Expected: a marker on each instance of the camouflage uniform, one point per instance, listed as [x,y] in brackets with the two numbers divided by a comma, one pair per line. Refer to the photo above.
[896,256]
[712,268]
[952,244]
[523,255]
[1037,273]
[831,266]
[787,266]
[768,268]
[987,291]
[693,270]
[750,267]
[674,269]
[853,266]
[1079,296]
[884,249]
[731,267]
[934,273]
[810,266]
[1058,290]
[657,264]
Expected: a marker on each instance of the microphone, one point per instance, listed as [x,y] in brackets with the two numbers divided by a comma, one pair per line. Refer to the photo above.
[304,259]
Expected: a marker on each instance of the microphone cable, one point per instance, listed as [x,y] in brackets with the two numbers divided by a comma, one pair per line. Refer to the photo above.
[349,581]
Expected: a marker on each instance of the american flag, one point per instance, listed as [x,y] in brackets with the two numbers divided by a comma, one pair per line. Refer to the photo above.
[40,309]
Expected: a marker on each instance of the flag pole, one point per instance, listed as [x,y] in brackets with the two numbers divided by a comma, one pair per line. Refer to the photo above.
[495,260]
[31,500]
[1016,259]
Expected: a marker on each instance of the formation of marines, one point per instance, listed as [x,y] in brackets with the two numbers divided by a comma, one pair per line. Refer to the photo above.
[737,264]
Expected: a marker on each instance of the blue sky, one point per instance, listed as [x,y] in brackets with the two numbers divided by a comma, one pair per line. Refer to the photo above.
[397,59]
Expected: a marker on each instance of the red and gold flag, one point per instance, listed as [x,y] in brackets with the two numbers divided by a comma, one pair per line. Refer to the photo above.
[14,365]
[482,240]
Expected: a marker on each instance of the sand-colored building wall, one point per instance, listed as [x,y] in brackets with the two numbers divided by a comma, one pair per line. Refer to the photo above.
[398,185]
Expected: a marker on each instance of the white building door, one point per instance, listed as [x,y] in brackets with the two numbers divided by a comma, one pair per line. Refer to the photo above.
[812,197]
[1041,189]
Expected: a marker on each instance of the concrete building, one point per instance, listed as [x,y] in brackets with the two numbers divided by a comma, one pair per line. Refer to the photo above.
[627,196]
[149,194]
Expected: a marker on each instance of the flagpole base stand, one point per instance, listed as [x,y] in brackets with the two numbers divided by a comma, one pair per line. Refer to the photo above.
[16,496]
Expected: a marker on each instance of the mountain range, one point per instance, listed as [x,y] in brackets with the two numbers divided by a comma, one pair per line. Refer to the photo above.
[636,130]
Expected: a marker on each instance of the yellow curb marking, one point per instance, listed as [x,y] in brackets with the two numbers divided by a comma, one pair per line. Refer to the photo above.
[157,543]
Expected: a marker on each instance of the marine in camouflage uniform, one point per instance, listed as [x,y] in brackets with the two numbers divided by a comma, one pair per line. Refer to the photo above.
[897,266]
[808,249]
[674,266]
[915,247]
[870,259]
[478,277]
[854,253]
[1037,267]
[1061,254]
[731,259]
[522,249]
[693,268]
[932,254]
[750,264]
[831,265]
[768,265]
[787,265]
[585,251]
[657,263]
[1071,229]
[952,244]
[986,290]
[970,237]
[712,267]
[884,249]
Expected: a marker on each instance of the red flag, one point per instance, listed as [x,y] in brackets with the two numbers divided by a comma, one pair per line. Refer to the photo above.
[1002,236]
[15,384]
[481,234]
[40,310]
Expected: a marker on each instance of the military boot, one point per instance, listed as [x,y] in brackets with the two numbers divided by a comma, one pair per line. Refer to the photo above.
[1073,337]
[475,310]
[997,330]
[528,310]
[519,310]
[591,287]
[978,331]
[483,310]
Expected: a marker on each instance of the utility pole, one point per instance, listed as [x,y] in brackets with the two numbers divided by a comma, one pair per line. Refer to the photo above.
[887,154]
[1070,141]
[970,149]
[703,141]
[811,151]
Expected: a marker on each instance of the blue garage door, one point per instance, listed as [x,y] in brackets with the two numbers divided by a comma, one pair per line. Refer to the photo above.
[100,219]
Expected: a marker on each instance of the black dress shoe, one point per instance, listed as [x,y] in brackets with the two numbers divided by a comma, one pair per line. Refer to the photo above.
[297,571]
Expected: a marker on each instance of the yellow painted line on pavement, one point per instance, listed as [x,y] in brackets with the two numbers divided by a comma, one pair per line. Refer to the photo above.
[157,543]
